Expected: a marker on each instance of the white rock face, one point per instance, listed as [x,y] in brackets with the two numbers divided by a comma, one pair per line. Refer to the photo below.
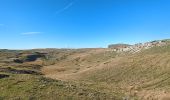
[140,46]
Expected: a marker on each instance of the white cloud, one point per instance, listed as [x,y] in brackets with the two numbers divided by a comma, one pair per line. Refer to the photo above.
[65,8]
[31,33]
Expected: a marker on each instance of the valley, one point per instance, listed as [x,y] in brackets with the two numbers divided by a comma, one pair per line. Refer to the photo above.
[86,74]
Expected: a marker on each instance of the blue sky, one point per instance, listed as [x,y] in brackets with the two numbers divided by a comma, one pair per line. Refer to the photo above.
[26,24]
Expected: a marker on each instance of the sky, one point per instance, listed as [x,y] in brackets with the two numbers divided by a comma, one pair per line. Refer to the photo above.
[29,24]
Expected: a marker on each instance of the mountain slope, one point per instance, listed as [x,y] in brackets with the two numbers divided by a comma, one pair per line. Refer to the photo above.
[144,75]
[86,74]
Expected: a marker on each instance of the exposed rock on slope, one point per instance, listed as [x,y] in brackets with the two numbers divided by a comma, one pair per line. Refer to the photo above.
[137,47]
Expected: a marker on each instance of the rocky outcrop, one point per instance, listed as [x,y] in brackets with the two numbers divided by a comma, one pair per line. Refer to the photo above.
[137,47]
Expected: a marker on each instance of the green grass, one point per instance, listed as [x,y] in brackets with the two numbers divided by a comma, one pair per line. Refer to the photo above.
[32,87]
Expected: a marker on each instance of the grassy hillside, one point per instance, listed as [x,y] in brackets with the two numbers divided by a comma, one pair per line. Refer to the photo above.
[86,74]
[24,81]
[143,75]
[30,87]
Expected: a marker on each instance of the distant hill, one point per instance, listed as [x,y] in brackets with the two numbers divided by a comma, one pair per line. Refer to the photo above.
[138,47]
[117,46]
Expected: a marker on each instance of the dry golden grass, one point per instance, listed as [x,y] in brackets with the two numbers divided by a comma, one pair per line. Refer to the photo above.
[88,74]
[143,75]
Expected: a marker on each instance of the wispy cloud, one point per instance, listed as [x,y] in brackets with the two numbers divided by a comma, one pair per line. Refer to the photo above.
[65,8]
[31,33]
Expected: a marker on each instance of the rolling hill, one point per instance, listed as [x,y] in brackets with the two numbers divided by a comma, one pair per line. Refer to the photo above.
[87,74]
